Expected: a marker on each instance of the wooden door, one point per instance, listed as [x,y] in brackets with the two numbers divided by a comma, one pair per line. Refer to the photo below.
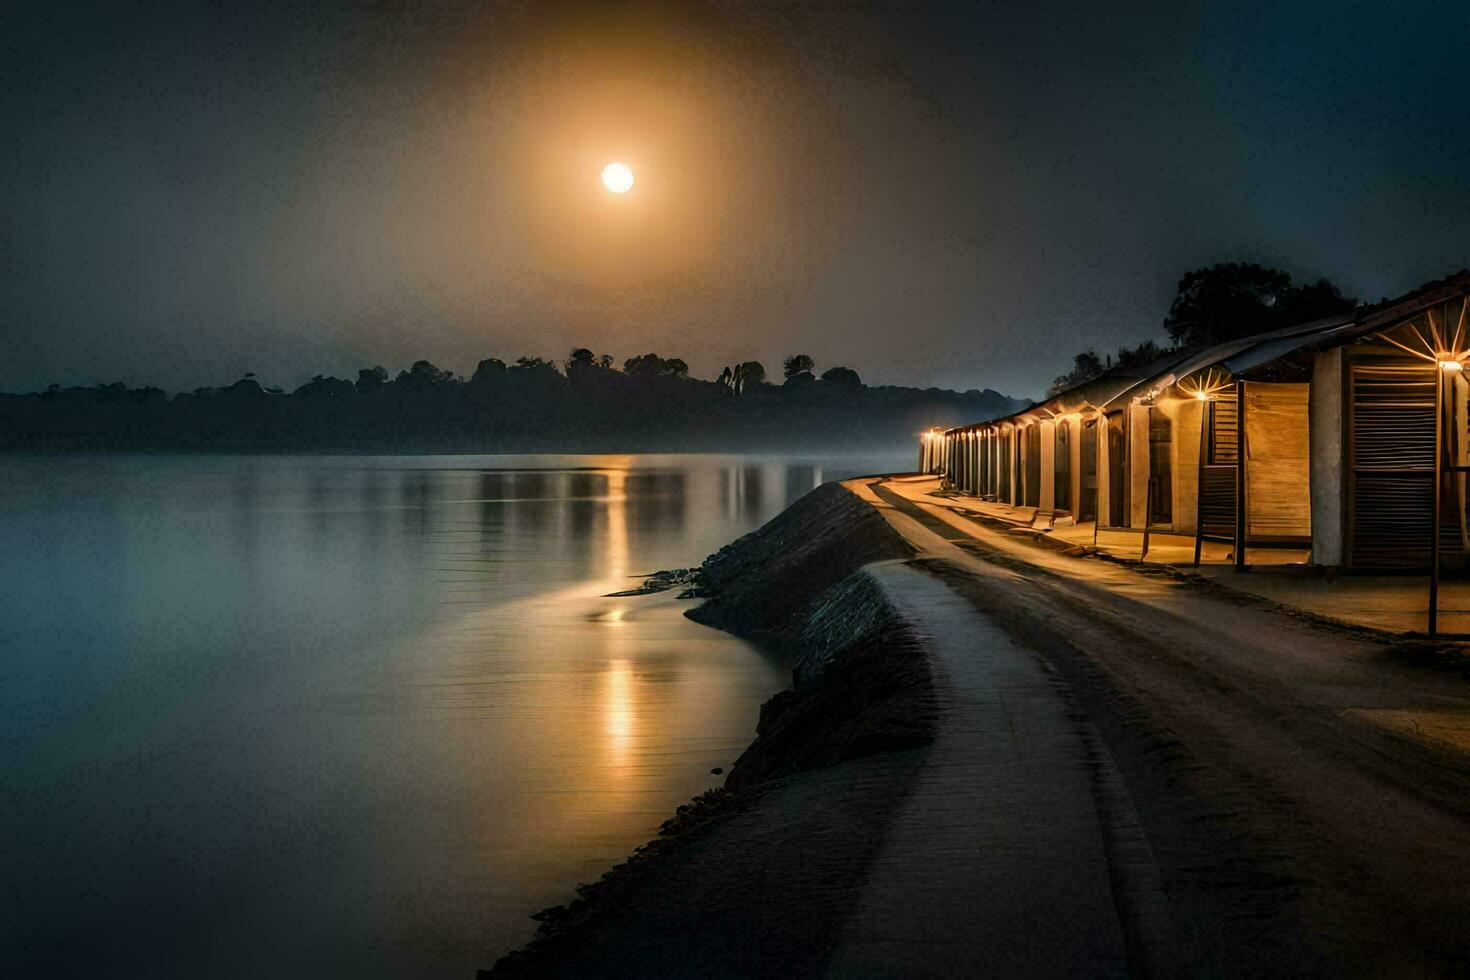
[1062,471]
[1033,465]
[1278,461]
[1087,506]
[1160,468]
[1117,471]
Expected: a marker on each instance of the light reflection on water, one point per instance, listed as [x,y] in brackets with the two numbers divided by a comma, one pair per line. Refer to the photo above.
[277,716]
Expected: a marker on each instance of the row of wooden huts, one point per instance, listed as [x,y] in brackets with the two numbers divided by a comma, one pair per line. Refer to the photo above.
[1331,435]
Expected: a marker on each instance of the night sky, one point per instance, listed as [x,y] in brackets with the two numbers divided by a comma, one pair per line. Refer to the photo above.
[935,197]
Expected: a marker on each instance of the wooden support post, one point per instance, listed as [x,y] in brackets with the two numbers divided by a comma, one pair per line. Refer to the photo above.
[1128,466]
[1206,408]
[1148,479]
[1240,523]
[1438,501]
[1148,503]
[1099,443]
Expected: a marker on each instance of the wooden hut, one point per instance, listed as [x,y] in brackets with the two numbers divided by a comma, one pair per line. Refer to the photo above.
[1347,436]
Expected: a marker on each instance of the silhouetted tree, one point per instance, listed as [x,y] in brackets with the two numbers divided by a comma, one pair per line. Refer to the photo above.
[528,406]
[1085,366]
[488,371]
[798,364]
[1312,301]
[372,378]
[749,375]
[842,376]
[653,366]
[1131,359]
[1238,299]
[580,364]
[532,379]
[534,371]
[423,374]
[246,387]
[644,365]
[323,387]
[605,361]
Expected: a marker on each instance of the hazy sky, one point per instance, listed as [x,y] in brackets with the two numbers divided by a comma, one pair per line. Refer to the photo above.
[932,195]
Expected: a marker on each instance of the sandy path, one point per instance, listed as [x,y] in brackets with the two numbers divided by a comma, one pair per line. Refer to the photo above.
[996,863]
[1290,834]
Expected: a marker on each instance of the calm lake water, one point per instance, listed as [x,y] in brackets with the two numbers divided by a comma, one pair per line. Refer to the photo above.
[293,716]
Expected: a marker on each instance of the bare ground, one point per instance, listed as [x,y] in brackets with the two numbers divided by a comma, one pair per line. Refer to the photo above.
[1291,835]
[1129,773]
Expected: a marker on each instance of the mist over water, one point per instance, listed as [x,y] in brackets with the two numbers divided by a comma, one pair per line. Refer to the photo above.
[293,715]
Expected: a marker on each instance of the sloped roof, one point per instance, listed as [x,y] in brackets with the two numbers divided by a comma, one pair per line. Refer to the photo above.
[1244,353]
[1334,330]
[1239,355]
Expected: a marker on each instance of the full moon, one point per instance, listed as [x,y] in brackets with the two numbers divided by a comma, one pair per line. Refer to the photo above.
[617,178]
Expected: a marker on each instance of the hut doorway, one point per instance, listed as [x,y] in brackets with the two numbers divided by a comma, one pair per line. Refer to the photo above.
[1278,458]
[1117,471]
[1087,506]
[1160,469]
[1062,494]
[1219,466]
[1033,465]
[1007,468]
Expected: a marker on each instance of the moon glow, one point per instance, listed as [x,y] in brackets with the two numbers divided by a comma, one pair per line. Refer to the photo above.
[617,178]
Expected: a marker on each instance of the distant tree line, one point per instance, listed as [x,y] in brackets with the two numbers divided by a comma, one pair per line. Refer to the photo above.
[587,403]
[1223,302]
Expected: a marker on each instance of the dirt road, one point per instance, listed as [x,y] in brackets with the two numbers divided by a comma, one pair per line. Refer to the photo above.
[1296,821]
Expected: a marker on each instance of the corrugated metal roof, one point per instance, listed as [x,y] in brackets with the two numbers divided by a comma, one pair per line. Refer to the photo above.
[1265,353]
[1235,356]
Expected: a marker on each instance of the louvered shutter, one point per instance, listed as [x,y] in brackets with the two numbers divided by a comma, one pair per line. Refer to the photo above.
[1218,474]
[1392,464]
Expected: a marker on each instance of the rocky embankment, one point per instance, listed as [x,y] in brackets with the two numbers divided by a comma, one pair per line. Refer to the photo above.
[757,876]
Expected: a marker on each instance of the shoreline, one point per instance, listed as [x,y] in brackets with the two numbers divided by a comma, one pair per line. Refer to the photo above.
[833,758]
[985,739]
